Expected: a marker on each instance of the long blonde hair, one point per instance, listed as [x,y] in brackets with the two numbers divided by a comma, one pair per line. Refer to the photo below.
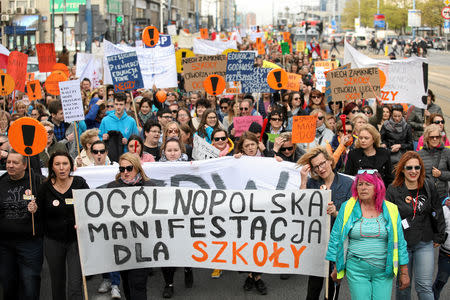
[135,162]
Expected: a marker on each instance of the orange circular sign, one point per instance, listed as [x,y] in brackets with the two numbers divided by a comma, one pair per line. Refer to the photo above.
[27,136]
[382,78]
[214,84]
[161,95]
[7,84]
[150,36]
[61,67]
[52,82]
[277,79]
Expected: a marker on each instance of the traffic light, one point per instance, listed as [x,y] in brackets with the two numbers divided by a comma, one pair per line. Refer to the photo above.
[61,28]
[119,19]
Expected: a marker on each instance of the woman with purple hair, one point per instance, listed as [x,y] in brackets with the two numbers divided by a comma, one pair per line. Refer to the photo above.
[367,241]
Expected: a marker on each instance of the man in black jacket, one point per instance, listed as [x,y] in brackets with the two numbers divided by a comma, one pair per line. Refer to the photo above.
[20,250]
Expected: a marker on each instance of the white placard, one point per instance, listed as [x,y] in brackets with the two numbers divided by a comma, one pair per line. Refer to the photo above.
[207,47]
[172,30]
[71,100]
[241,230]
[203,150]
[414,18]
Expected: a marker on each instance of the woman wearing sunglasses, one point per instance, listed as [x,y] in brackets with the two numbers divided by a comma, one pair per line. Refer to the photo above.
[295,108]
[369,155]
[323,134]
[436,159]
[422,221]
[173,130]
[130,174]
[316,101]
[285,149]
[342,143]
[221,141]
[437,119]
[367,241]
[274,127]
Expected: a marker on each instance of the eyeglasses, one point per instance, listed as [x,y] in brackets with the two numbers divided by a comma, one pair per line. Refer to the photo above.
[434,137]
[319,166]
[110,106]
[103,151]
[224,107]
[276,119]
[367,171]
[222,138]
[170,94]
[282,149]
[409,168]
[173,131]
[355,111]
[316,97]
[370,236]
[167,117]
[127,168]
[367,112]
[347,131]
[1,143]
[439,122]
[211,118]
[320,118]
[174,111]
[243,108]
[296,98]
[334,103]
[155,131]
[50,132]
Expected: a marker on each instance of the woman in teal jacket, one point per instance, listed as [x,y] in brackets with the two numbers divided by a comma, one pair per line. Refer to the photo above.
[367,241]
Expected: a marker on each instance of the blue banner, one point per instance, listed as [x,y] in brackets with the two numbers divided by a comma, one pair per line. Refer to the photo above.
[257,82]
[125,72]
[165,40]
[240,66]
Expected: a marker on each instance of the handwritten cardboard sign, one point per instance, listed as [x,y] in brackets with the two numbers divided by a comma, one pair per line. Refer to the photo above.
[125,71]
[197,69]
[46,56]
[71,100]
[294,81]
[240,66]
[257,82]
[303,129]
[320,67]
[352,84]
[17,68]
[242,124]
[203,150]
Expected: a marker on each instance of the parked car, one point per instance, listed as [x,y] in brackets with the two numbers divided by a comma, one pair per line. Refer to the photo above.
[439,43]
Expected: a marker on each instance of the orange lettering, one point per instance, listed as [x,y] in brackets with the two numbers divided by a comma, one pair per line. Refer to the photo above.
[196,246]
[393,95]
[236,252]
[276,255]
[297,254]
[384,96]
[216,258]
[258,262]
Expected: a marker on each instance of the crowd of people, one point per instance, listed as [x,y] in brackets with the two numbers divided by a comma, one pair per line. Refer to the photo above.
[387,220]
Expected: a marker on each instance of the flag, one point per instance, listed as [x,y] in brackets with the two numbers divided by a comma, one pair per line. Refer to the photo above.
[4,54]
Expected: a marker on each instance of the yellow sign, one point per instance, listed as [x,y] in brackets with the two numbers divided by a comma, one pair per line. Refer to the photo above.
[226,51]
[179,55]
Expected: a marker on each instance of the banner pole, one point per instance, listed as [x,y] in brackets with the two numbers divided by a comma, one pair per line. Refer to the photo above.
[80,252]
[76,137]
[135,111]
[31,189]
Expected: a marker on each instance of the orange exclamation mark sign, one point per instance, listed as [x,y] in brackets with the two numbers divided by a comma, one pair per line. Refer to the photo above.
[33,87]
[214,84]
[28,137]
[277,79]
[3,83]
[150,36]
[7,84]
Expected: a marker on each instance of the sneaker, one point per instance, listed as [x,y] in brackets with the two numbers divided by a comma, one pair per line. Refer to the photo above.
[105,286]
[216,273]
[188,278]
[168,291]
[249,283]
[115,292]
[261,287]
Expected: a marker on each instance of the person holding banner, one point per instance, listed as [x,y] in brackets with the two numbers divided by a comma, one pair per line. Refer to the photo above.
[372,229]
[320,165]
[422,220]
[248,145]
[173,150]
[21,250]
[60,238]
[221,141]
[284,149]
[131,173]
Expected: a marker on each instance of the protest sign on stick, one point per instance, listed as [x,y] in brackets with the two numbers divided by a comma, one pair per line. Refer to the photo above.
[293,82]
[179,55]
[46,56]
[203,150]
[53,80]
[197,69]
[125,71]
[244,230]
[352,84]
[17,68]
[34,90]
[303,129]
[242,124]
[320,67]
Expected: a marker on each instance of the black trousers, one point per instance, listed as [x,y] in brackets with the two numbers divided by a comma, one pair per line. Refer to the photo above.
[315,287]
[134,284]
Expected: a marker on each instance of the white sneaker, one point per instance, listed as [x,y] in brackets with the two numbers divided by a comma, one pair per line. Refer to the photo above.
[105,286]
[115,292]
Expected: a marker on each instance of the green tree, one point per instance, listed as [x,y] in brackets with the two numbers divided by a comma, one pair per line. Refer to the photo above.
[431,13]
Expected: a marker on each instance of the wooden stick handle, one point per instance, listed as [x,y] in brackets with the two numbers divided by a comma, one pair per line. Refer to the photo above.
[85,290]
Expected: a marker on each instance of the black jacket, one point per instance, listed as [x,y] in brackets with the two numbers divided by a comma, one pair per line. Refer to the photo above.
[429,223]
[381,161]
[57,216]
[15,220]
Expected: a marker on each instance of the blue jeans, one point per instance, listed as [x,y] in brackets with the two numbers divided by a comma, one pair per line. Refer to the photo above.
[420,269]
[114,277]
[442,274]
[20,268]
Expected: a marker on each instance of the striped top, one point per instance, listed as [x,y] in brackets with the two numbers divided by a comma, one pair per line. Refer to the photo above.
[368,240]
